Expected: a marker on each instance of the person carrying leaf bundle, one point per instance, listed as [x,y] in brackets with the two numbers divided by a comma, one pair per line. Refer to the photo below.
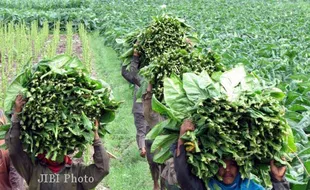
[131,75]
[9,177]
[231,178]
[142,126]
[48,174]
[168,168]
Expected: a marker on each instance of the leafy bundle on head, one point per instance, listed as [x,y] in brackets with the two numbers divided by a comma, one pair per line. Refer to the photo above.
[179,61]
[235,117]
[163,33]
[63,102]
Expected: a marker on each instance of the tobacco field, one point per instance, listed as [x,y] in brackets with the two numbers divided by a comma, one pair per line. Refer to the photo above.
[271,38]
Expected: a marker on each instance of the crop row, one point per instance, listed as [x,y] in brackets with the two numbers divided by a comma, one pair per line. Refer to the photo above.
[75,15]
[44,4]
[21,45]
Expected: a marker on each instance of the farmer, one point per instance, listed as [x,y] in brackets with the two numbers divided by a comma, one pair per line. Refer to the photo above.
[47,174]
[168,171]
[131,75]
[9,177]
[230,174]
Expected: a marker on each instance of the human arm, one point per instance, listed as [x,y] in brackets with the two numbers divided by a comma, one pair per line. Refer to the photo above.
[277,177]
[150,116]
[131,74]
[186,179]
[100,168]
[18,157]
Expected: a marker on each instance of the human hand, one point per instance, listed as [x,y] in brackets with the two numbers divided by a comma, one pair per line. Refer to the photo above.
[186,126]
[135,51]
[19,104]
[142,152]
[96,129]
[277,172]
[149,88]
[148,95]
[189,42]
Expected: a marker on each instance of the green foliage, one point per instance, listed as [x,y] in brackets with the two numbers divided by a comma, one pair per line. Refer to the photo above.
[62,104]
[178,61]
[269,37]
[235,117]
[21,45]
[163,33]
[44,5]
[129,171]
[64,15]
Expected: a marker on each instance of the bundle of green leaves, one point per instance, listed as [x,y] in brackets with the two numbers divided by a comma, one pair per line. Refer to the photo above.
[163,33]
[63,102]
[235,117]
[179,61]
[250,130]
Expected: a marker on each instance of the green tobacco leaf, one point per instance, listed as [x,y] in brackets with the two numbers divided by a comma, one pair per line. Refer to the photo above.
[291,96]
[304,152]
[98,84]
[163,155]
[216,76]
[193,39]
[164,141]
[307,166]
[75,130]
[175,96]
[86,122]
[79,154]
[173,125]
[107,117]
[128,53]
[294,116]
[15,88]
[158,107]
[305,122]
[120,41]
[58,63]
[277,93]
[5,127]
[301,77]
[126,61]
[88,136]
[195,85]
[298,107]
[296,183]
[290,140]
[75,64]
[230,79]
[157,130]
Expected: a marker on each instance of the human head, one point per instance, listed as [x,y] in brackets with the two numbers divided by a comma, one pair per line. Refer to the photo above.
[229,173]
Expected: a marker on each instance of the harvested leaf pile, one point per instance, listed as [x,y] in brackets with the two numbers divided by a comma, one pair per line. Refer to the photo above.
[178,61]
[235,117]
[63,103]
[163,33]
[165,47]
[249,130]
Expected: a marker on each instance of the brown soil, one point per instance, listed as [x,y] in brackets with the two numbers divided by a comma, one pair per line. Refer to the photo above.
[77,48]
